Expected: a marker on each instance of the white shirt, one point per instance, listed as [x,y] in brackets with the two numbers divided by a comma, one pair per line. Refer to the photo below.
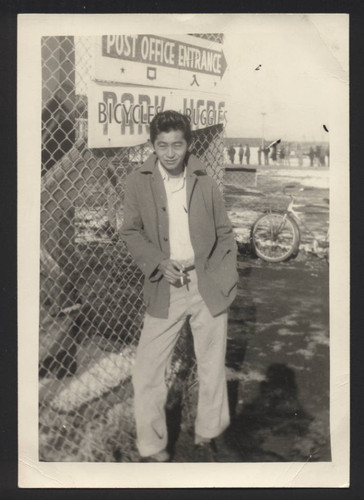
[179,231]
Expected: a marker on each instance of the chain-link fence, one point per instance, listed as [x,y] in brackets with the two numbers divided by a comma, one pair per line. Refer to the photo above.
[213,37]
[91,306]
[241,176]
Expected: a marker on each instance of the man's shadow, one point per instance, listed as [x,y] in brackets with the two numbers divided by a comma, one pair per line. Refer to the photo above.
[241,328]
[276,412]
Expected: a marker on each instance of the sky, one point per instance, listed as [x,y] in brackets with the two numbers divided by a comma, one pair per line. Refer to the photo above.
[299,56]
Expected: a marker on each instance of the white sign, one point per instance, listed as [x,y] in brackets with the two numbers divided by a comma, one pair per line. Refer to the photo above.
[119,116]
[178,61]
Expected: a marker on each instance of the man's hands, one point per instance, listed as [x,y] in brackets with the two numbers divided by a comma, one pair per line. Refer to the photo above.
[172,271]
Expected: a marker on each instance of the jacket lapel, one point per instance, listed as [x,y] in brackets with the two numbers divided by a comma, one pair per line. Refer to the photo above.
[158,189]
[193,166]
[191,180]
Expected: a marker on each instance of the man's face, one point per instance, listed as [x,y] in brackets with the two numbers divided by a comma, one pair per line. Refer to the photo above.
[171,148]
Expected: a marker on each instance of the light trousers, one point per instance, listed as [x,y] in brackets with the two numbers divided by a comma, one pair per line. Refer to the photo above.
[154,353]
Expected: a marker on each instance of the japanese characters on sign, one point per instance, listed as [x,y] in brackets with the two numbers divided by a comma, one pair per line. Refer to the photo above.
[184,62]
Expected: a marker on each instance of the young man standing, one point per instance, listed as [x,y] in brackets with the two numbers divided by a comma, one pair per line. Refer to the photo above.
[177,229]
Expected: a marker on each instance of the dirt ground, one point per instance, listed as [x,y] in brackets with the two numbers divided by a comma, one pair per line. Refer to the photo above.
[278,366]
[278,344]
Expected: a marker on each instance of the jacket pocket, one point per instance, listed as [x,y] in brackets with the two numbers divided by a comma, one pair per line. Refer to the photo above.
[227,288]
[214,263]
[224,273]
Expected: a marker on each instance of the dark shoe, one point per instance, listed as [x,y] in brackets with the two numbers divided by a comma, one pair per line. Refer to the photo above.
[205,451]
[161,456]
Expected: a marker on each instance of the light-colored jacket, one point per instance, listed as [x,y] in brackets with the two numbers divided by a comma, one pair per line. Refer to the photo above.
[145,231]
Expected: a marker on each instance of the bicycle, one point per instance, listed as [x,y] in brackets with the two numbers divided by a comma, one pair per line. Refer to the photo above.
[275,236]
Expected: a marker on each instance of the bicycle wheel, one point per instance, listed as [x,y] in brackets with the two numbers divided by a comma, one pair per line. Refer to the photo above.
[275,237]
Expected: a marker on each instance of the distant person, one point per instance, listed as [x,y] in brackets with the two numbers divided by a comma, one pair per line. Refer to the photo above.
[282,155]
[274,153]
[260,155]
[241,154]
[226,156]
[266,155]
[318,155]
[322,157]
[247,154]
[231,152]
[311,155]
[299,155]
[328,155]
[288,156]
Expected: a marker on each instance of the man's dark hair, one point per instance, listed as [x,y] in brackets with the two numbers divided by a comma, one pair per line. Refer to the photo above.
[166,121]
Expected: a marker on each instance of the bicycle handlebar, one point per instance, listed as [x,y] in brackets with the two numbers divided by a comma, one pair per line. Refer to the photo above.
[298,188]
